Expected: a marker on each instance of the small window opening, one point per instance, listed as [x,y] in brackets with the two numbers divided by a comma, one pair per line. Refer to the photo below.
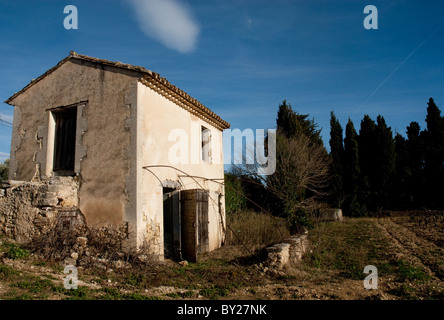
[206,145]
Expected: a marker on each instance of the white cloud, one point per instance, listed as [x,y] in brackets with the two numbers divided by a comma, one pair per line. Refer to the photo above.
[167,21]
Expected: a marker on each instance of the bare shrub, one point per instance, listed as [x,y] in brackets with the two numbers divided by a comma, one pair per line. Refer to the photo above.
[107,242]
[300,180]
[57,244]
[104,247]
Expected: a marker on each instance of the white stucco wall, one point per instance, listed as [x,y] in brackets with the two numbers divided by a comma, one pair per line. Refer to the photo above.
[159,119]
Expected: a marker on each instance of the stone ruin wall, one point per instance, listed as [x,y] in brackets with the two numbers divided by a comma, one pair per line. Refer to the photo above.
[28,209]
[288,253]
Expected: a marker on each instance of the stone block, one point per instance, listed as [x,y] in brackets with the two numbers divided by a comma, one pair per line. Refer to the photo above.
[278,255]
[331,215]
[287,253]
[82,241]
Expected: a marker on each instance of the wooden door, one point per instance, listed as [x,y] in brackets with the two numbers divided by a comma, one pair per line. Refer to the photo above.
[195,237]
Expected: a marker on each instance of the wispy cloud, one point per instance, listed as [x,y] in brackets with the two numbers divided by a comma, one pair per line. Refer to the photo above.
[6,117]
[167,21]
[3,156]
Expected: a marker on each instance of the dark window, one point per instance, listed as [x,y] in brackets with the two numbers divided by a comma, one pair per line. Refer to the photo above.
[65,141]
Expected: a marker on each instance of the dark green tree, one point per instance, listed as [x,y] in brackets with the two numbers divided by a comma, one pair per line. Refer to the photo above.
[4,170]
[337,157]
[384,166]
[235,199]
[352,172]
[400,192]
[292,124]
[368,150]
[415,163]
[302,165]
[433,138]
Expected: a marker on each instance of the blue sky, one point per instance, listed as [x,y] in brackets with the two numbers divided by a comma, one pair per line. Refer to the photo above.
[241,58]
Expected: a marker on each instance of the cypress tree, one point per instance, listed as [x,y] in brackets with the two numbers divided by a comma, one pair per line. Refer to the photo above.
[337,158]
[352,172]
[292,124]
[286,123]
[415,160]
[384,166]
[433,138]
[368,150]
[400,191]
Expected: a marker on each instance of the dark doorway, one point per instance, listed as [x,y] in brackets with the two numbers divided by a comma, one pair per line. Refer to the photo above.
[171,224]
[65,141]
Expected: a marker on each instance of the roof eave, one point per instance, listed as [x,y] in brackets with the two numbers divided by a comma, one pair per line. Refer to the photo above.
[184,100]
[178,96]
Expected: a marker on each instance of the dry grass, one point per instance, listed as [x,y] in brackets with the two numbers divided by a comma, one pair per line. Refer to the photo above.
[345,247]
[254,229]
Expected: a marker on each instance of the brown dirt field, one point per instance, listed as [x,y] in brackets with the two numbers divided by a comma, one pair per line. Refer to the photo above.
[406,248]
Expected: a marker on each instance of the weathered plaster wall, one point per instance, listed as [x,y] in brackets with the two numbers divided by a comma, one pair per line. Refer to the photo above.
[105,136]
[157,118]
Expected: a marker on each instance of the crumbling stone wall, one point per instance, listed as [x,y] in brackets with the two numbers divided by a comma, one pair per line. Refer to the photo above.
[287,253]
[28,209]
[329,214]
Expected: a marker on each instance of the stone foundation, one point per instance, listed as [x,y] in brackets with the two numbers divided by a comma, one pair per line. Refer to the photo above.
[28,209]
[330,215]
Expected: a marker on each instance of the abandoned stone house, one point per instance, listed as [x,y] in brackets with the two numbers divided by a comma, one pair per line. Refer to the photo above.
[111,127]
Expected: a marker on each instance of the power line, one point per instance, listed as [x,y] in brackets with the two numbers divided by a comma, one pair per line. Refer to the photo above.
[5,122]
[399,66]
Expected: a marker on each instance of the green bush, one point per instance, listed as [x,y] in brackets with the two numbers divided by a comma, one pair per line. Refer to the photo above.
[234,194]
[7,272]
[4,170]
[15,252]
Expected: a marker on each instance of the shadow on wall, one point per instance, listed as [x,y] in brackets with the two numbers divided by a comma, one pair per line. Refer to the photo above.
[101,212]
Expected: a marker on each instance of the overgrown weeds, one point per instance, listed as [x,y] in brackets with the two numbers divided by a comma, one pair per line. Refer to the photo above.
[105,247]
[406,271]
[344,247]
[15,252]
[253,229]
